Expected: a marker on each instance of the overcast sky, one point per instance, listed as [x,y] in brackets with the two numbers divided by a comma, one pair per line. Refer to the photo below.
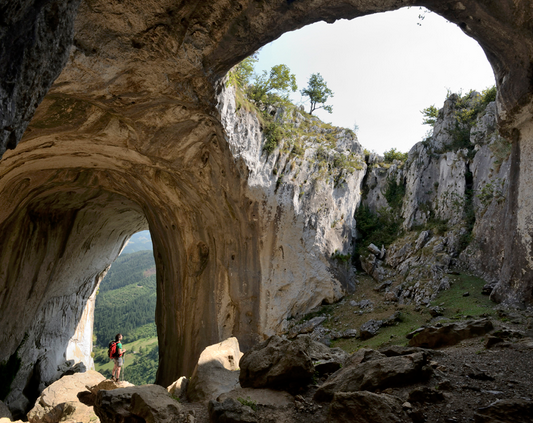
[383,69]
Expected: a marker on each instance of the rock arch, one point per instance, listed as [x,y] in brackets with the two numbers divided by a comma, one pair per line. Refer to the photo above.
[130,133]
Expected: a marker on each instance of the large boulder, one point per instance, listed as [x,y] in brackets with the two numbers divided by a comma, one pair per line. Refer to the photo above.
[325,359]
[217,371]
[451,334]
[366,407]
[60,400]
[506,411]
[277,364]
[381,373]
[230,411]
[147,403]
[370,329]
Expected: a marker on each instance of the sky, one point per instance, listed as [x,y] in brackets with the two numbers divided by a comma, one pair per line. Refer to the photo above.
[383,70]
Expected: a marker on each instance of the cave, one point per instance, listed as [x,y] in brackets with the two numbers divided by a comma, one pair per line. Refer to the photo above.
[125,135]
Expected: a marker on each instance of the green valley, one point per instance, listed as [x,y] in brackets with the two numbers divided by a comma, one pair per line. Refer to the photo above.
[125,303]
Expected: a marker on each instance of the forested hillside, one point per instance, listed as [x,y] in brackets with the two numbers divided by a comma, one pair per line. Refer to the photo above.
[141,241]
[126,303]
[126,299]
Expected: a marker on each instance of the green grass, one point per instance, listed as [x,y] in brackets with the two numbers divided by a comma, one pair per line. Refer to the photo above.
[456,307]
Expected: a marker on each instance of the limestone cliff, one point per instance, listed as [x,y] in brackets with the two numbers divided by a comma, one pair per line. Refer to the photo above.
[455,204]
[307,190]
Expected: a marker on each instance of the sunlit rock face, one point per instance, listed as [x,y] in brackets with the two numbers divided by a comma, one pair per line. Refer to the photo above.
[130,137]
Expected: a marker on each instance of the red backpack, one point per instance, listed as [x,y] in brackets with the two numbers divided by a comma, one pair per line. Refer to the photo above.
[112,351]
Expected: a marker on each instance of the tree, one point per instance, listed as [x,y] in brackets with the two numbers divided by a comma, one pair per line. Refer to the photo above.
[241,73]
[273,87]
[393,154]
[318,92]
[430,114]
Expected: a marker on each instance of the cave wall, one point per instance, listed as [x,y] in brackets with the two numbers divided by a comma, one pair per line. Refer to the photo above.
[130,137]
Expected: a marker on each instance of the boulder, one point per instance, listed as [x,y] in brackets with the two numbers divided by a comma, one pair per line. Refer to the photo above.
[216,372]
[74,411]
[60,400]
[147,403]
[507,410]
[260,397]
[277,364]
[363,355]
[230,411]
[179,388]
[306,327]
[370,329]
[4,411]
[325,359]
[366,407]
[451,334]
[393,319]
[89,397]
[380,374]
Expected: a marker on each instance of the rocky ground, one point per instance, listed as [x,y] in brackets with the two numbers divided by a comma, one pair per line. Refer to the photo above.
[481,373]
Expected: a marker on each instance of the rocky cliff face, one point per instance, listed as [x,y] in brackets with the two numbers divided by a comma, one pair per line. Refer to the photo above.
[306,190]
[456,189]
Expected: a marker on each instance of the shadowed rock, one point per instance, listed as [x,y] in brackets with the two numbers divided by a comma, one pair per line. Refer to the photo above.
[147,403]
[376,374]
[278,364]
[451,334]
[366,407]
[507,410]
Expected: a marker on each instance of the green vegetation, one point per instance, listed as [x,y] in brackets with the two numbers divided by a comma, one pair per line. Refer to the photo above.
[248,402]
[241,74]
[381,228]
[273,87]
[126,303]
[318,92]
[394,194]
[430,114]
[393,154]
[455,306]
[341,258]
[467,109]
[385,226]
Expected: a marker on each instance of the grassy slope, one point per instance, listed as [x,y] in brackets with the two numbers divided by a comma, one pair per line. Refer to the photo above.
[343,316]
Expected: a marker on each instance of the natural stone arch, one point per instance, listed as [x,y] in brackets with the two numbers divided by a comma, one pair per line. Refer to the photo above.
[143,86]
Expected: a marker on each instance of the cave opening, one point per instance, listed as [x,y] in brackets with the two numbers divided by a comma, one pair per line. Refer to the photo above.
[125,303]
[383,69]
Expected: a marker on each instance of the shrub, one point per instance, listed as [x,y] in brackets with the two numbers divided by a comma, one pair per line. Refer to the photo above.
[393,154]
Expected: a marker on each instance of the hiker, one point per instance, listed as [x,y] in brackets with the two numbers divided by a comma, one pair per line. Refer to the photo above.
[118,358]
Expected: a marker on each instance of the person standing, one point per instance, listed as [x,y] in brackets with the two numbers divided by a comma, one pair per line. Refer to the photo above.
[118,359]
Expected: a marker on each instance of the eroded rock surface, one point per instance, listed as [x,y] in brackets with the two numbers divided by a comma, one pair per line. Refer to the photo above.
[217,371]
[138,403]
[130,137]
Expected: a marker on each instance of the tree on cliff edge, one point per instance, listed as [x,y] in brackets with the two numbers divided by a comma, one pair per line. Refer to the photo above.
[318,93]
